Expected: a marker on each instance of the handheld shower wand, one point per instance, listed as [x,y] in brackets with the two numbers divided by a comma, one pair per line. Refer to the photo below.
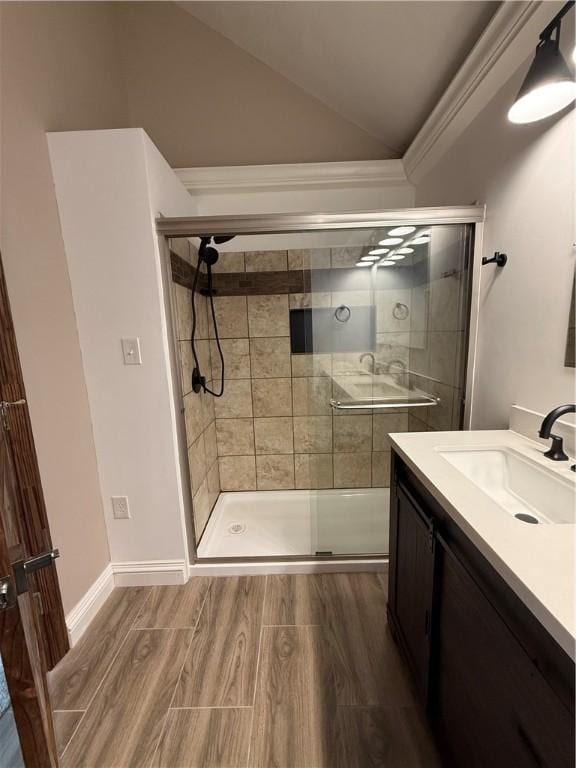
[208,255]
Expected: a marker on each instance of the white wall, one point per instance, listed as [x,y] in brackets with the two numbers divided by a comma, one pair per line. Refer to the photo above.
[59,69]
[525,175]
[110,186]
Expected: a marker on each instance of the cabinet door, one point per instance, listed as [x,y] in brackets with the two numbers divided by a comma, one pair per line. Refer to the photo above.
[411,602]
[491,705]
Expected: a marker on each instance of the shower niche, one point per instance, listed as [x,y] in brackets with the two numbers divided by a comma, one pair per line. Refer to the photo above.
[328,329]
[332,339]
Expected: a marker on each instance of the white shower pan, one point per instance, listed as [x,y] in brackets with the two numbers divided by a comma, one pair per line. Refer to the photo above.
[251,524]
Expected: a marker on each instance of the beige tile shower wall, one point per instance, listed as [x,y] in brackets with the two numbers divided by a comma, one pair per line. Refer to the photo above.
[198,408]
[275,428]
[438,321]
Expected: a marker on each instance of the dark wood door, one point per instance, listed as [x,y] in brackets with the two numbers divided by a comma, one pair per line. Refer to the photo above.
[21,653]
[412,559]
[492,707]
[32,519]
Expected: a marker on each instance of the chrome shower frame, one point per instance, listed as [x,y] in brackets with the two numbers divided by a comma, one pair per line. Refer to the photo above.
[293,223]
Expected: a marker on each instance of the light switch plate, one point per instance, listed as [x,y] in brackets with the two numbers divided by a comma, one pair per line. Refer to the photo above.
[131,351]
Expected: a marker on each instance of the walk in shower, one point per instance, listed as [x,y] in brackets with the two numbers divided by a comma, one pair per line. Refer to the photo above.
[335,332]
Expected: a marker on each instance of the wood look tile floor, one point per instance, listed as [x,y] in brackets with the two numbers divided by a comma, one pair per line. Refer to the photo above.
[241,672]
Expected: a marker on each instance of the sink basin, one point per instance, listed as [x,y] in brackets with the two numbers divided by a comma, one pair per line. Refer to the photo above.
[521,487]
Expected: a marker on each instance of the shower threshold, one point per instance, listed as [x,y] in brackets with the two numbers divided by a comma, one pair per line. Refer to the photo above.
[293,524]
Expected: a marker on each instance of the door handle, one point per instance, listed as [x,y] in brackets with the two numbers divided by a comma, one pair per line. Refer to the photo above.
[24,567]
[7,597]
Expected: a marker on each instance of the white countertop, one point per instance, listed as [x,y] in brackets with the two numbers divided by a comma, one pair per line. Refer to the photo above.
[537,561]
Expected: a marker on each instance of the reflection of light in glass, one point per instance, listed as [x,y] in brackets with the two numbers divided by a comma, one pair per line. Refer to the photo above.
[391,241]
[404,250]
[369,258]
[387,263]
[363,263]
[378,251]
[397,257]
[420,240]
[402,231]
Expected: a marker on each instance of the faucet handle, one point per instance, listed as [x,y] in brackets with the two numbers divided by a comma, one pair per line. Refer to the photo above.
[556,450]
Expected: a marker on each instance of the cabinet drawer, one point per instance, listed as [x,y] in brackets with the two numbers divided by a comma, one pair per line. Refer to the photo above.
[493,707]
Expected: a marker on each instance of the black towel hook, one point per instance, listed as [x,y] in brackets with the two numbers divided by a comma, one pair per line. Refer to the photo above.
[499,259]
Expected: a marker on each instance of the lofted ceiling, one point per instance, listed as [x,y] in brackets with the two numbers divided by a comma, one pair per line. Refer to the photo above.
[381,65]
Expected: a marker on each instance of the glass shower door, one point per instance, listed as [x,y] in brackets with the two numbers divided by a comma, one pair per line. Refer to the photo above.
[391,335]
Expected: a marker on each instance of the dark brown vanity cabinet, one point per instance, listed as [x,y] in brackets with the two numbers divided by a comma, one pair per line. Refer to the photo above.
[497,688]
[411,589]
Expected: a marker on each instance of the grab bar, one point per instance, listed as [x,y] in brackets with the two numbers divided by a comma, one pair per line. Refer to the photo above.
[382,404]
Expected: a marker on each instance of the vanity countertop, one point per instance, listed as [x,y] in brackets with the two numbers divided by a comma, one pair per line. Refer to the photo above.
[537,561]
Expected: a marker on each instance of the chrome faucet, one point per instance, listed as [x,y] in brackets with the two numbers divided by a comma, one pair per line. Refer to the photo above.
[556,450]
[371,356]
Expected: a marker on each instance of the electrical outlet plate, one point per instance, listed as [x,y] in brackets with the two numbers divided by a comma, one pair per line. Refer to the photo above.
[131,351]
[120,508]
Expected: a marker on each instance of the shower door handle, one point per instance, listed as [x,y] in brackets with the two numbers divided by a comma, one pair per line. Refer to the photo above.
[357,405]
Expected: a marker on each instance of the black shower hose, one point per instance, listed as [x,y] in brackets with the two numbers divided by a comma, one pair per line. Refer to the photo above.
[193,340]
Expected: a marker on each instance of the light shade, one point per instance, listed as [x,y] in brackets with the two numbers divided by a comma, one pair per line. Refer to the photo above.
[547,88]
[390,241]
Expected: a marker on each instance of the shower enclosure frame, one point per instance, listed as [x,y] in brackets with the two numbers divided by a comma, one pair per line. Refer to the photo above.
[293,223]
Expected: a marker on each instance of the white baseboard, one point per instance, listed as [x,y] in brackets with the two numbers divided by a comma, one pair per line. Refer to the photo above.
[146,573]
[80,617]
[303,566]
[143,573]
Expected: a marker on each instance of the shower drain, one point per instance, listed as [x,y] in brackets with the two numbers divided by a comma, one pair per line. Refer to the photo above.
[236,528]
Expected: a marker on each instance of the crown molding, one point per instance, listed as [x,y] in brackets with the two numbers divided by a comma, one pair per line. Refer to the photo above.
[382,173]
[504,46]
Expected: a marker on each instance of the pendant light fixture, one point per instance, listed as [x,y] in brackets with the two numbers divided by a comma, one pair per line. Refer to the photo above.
[549,85]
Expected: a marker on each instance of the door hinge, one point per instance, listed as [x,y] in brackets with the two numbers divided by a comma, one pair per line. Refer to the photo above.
[22,568]
[4,408]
